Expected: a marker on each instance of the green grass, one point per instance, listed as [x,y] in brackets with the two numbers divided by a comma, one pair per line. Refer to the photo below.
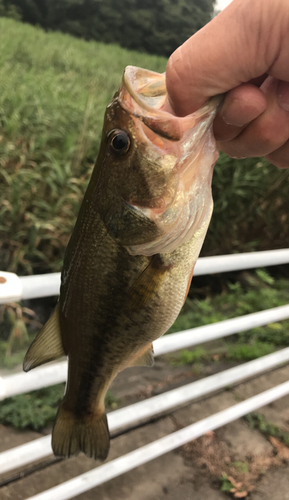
[186,357]
[261,292]
[32,411]
[237,300]
[53,93]
[242,352]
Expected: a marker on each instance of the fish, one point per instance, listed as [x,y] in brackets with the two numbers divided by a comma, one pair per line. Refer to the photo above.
[129,263]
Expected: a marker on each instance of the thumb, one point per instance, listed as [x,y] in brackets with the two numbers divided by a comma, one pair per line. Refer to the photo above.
[245,41]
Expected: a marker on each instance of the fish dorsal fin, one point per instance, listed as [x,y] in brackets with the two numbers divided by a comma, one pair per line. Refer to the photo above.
[47,346]
[146,358]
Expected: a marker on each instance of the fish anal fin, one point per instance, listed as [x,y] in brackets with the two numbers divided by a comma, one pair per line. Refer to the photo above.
[145,358]
[47,346]
[73,434]
[148,283]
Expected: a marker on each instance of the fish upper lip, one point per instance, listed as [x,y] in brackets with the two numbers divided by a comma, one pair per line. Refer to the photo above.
[147,105]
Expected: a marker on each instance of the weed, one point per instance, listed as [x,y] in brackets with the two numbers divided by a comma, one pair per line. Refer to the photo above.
[14,335]
[244,352]
[53,93]
[241,466]
[186,357]
[230,485]
[111,401]
[236,301]
[258,421]
[37,409]
[34,411]
[226,484]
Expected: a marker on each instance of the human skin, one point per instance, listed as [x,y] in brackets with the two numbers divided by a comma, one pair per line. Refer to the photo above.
[243,52]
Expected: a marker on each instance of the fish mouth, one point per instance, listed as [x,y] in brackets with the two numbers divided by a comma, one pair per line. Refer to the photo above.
[180,214]
[143,93]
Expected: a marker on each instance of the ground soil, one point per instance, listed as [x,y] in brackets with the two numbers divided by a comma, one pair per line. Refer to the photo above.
[256,466]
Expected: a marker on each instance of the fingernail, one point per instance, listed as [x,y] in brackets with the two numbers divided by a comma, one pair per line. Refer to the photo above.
[283,95]
[228,114]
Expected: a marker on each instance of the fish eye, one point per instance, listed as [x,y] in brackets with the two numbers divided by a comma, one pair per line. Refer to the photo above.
[119,142]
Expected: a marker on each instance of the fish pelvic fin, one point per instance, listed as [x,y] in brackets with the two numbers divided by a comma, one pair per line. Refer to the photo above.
[47,346]
[145,358]
[73,434]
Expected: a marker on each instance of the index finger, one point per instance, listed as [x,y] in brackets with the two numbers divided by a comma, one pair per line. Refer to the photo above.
[242,43]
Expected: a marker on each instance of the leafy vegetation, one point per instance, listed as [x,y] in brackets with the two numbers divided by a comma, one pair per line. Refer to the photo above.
[38,409]
[158,26]
[34,411]
[230,350]
[260,292]
[53,93]
[242,352]
[258,421]
[187,357]
[250,207]
[236,300]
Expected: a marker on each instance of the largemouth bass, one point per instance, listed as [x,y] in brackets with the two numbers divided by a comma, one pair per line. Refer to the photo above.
[130,260]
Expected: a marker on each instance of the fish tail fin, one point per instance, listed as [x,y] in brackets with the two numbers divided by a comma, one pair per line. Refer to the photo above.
[73,434]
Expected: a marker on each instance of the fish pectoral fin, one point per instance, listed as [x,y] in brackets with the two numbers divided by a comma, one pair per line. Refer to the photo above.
[148,283]
[47,346]
[146,358]
[73,434]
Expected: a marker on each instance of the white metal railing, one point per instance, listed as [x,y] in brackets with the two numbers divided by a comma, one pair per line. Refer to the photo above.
[145,454]
[143,411]
[14,288]
[55,373]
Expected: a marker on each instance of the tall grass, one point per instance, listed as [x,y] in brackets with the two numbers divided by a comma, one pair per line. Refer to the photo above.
[251,207]
[53,93]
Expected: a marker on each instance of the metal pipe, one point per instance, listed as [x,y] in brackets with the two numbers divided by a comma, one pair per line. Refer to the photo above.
[144,411]
[55,373]
[206,333]
[236,262]
[20,383]
[130,461]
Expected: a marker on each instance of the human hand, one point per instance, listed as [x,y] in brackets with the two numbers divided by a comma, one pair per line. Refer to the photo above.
[244,51]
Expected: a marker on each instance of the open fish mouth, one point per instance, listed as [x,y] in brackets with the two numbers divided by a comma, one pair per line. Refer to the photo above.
[144,93]
[190,141]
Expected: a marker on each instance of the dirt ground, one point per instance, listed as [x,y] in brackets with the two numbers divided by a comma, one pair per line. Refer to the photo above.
[256,467]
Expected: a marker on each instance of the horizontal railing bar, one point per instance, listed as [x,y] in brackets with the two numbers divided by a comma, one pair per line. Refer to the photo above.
[143,411]
[20,383]
[44,285]
[55,373]
[130,461]
[237,262]
[206,333]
